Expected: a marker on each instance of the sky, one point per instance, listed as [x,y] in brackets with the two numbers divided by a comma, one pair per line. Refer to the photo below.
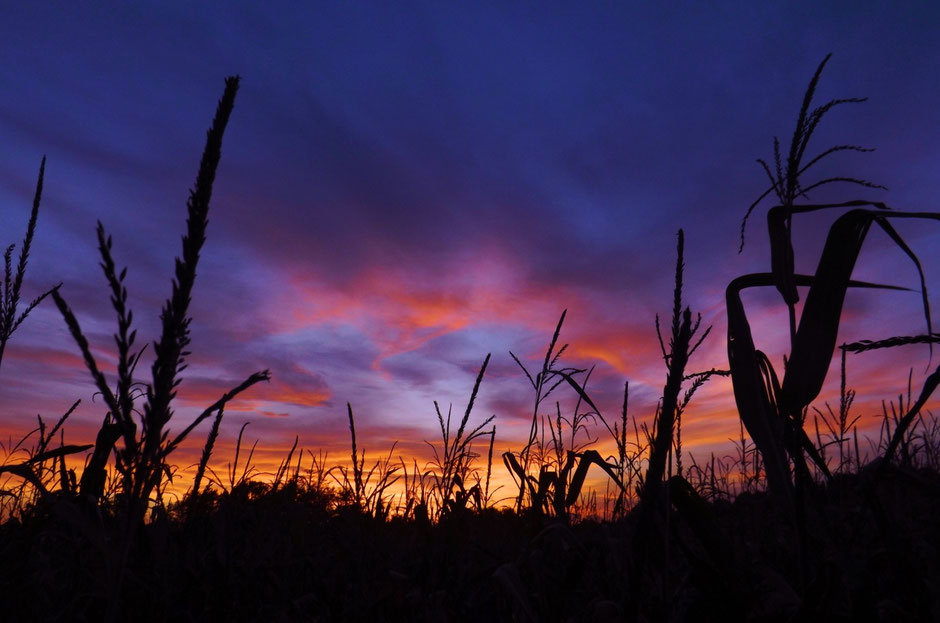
[407,187]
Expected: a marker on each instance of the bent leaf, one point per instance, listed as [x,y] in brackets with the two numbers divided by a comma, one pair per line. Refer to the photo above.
[815,340]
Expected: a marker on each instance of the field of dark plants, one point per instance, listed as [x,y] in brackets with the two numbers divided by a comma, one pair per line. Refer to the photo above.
[804,520]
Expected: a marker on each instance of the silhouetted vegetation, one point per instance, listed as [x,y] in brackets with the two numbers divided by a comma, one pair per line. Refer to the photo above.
[802,521]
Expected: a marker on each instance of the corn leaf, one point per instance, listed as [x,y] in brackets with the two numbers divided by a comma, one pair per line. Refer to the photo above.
[815,340]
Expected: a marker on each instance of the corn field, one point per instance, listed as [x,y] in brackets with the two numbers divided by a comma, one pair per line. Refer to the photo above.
[803,519]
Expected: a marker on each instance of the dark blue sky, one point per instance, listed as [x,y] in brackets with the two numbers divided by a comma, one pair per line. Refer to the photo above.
[406,187]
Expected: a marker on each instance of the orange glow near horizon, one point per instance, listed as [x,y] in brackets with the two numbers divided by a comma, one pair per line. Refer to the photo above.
[400,317]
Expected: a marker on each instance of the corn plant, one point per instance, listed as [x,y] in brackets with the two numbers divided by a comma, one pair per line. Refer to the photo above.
[283,472]
[10,319]
[236,476]
[543,383]
[42,468]
[207,451]
[773,410]
[415,496]
[451,472]
[316,474]
[570,461]
[838,426]
[682,344]
[553,483]
[627,461]
[359,490]
[561,470]
[33,470]
[910,412]
[142,461]
[665,438]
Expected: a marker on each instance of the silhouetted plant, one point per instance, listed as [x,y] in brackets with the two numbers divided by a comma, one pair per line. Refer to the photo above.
[42,469]
[838,425]
[560,482]
[561,477]
[785,183]
[360,491]
[284,469]
[627,459]
[772,411]
[293,549]
[561,471]
[451,471]
[543,384]
[913,411]
[10,318]
[142,462]
[207,451]
[235,478]
[681,347]
[33,471]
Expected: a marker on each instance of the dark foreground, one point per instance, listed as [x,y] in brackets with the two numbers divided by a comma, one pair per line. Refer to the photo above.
[872,554]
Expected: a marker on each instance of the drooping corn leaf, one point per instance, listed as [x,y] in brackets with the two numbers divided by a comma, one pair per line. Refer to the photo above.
[580,473]
[815,340]
[781,245]
[754,394]
[753,398]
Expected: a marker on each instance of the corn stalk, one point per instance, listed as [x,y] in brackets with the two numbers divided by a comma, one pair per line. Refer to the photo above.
[773,410]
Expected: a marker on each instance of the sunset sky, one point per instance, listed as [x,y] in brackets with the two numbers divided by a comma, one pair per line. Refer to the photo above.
[406,187]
